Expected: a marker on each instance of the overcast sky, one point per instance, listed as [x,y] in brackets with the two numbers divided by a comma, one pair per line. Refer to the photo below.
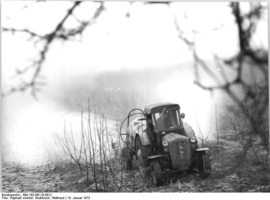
[147,38]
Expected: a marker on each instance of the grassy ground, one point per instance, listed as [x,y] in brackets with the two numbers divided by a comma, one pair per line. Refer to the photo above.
[229,174]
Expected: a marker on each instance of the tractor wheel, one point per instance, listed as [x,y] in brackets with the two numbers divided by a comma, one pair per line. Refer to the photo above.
[192,167]
[138,145]
[145,151]
[194,163]
[204,164]
[128,165]
[156,176]
[127,158]
[140,150]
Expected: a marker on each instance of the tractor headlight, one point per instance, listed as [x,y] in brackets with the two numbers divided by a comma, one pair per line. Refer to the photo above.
[193,140]
[165,143]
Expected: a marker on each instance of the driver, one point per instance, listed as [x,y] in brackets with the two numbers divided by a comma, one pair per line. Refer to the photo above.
[167,120]
[164,121]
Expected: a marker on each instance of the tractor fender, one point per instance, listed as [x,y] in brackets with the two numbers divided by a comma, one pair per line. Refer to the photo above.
[201,150]
[154,157]
[188,130]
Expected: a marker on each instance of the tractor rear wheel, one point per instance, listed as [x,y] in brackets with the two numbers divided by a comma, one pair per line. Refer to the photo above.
[204,164]
[127,158]
[156,176]
[138,144]
[143,150]
[128,165]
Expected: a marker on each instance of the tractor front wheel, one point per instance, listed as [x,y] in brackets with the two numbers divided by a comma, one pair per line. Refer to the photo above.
[204,164]
[156,176]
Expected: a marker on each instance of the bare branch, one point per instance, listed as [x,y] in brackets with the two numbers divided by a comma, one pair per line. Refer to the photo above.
[58,33]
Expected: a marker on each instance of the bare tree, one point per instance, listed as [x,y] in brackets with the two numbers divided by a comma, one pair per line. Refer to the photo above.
[203,137]
[255,56]
[217,132]
[95,156]
[60,33]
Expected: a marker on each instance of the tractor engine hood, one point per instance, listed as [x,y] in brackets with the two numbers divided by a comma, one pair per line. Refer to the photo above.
[174,137]
[179,149]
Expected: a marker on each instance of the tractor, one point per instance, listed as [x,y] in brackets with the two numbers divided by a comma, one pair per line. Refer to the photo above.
[160,142]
